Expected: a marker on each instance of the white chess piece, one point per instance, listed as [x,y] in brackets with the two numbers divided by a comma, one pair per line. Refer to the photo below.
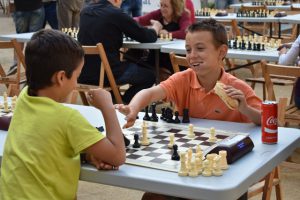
[189,158]
[4,96]
[217,171]
[223,161]
[198,148]
[145,141]
[172,138]
[5,107]
[193,170]
[183,170]
[207,171]
[191,133]
[199,166]
[212,137]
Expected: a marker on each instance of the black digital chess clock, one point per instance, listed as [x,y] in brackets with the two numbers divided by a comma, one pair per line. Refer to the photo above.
[236,146]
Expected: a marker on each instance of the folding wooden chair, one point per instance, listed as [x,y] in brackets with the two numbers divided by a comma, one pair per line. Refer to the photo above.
[13,82]
[286,114]
[178,61]
[104,69]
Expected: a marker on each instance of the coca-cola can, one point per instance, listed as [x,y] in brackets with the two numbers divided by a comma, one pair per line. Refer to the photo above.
[269,125]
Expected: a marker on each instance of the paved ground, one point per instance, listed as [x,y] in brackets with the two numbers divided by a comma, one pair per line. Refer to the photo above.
[90,191]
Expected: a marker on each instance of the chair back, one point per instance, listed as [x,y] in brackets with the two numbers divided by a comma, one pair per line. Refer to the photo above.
[178,61]
[13,81]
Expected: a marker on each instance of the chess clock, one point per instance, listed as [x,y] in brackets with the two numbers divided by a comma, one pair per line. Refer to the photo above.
[236,146]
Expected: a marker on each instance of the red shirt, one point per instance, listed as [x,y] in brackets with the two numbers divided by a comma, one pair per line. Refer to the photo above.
[190,6]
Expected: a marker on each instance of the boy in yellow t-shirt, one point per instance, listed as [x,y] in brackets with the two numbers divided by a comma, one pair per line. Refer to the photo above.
[41,154]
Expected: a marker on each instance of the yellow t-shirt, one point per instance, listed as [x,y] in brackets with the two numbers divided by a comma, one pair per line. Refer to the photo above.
[41,154]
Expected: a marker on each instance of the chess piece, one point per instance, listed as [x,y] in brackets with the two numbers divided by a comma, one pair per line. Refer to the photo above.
[175,155]
[198,149]
[198,163]
[207,171]
[170,36]
[126,140]
[176,120]
[146,117]
[212,137]
[171,143]
[4,96]
[191,133]
[210,157]
[162,116]
[189,158]
[153,117]
[185,117]
[169,115]
[136,141]
[223,160]
[183,169]
[145,141]
[217,171]
[193,171]
[5,107]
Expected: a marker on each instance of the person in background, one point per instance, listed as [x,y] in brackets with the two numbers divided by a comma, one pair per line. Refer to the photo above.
[28,17]
[50,13]
[132,7]
[105,22]
[68,13]
[206,46]
[190,6]
[41,155]
[174,18]
[291,57]
[224,4]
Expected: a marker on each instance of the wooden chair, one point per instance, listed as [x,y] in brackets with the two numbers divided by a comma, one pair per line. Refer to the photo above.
[104,69]
[178,61]
[257,27]
[13,82]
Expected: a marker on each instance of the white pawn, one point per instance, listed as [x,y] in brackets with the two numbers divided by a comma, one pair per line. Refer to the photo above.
[212,137]
[198,162]
[223,160]
[4,96]
[198,148]
[193,171]
[217,170]
[207,171]
[183,170]
[171,143]
[5,108]
[145,141]
[189,158]
[191,133]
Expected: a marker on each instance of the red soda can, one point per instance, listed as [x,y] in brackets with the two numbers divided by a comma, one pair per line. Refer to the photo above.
[269,125]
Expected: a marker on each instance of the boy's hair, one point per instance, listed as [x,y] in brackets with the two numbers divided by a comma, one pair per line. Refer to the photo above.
[48,52]
[217,30]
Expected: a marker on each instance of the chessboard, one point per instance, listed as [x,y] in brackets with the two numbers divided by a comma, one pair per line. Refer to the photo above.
[157,155]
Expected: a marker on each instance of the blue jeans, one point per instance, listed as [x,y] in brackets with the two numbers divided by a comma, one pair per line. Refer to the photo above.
[138,77]
[29,21]
[50,14]
[132,7]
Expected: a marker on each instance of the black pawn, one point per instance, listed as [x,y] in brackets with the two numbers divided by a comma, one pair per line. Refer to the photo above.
[136,141]
[162,116]
[175,155]
[153,117]
[185,117]
[176,120]
[126,140]
[146,117]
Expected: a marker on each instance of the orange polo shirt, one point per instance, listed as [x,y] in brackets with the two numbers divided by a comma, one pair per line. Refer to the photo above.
[184,89]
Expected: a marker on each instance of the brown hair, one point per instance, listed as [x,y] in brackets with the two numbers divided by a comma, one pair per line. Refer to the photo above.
[178,7]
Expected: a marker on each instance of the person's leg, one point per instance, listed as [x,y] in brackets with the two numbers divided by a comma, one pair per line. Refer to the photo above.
[138,77]
[50,14]
[64,15]
[137,8]
[76,8]
[36,19]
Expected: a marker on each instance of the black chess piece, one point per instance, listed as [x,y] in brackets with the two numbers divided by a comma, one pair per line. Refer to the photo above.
[146,117]
[175,155]
[136,143]
[169,115]
[153,117]
[185,117]
[162,116]
[249,46]
[176,120]
[126,140]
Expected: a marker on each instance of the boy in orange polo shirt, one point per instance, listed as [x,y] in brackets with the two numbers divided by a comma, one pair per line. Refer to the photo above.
[206,46]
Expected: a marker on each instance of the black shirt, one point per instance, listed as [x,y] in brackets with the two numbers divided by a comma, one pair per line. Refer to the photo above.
[27,5]
[105,23]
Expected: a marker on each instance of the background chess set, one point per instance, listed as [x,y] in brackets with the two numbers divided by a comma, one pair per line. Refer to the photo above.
[7,105]
[157,155]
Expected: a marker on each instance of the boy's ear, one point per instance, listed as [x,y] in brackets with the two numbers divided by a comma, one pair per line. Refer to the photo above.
[223,51]
[58,77]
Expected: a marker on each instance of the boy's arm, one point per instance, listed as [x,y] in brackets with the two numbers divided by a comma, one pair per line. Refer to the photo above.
[110,150]
[139,101]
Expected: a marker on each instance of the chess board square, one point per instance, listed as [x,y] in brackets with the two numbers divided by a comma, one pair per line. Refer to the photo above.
[179,135]
[165,156]
[156,132]
[201,138]
[163,142]
[198,133]
[131,150]
[221,136]
[163,151]
[173,130]
[152,154]
[152,127]
[145,158]
[148,149]
[133,156]
[183,140]
[160,137]
[156,146]
[207,143]
[187,145]
[141,152]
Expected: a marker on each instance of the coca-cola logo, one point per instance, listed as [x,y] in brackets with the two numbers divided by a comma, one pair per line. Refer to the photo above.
[271,121]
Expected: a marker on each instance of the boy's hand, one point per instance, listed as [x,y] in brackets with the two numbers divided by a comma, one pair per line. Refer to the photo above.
[128,112]
[236,94]
[99,98]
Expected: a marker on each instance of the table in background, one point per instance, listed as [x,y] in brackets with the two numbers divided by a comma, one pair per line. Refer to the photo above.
[279,7]
[233,184]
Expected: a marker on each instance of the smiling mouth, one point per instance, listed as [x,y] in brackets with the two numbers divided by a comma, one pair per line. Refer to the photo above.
[198,64]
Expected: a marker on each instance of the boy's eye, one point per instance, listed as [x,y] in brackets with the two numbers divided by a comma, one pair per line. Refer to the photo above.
[188,50]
